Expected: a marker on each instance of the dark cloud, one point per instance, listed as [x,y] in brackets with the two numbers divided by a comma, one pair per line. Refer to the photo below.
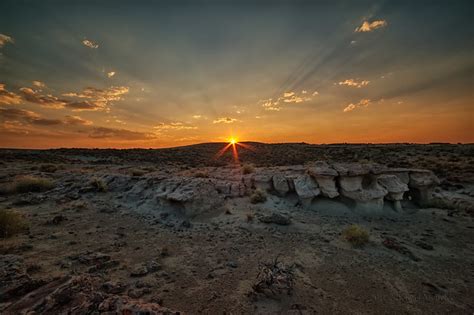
[122,134]
[35,97]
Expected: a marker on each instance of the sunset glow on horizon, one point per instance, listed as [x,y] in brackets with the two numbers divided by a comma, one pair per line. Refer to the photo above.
[163,74]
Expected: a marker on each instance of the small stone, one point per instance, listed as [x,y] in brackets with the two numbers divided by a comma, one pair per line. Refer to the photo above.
[139,271]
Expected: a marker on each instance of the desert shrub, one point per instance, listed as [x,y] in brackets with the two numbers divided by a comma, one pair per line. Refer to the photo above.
[201,174]
[138,173]
[98,185]
[274,279]
[11,223]
[48,168]
[258,196]
[29,184]
[250,216]
[356,235]
[248,168]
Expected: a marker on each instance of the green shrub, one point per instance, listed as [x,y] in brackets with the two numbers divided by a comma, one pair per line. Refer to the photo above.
[11,223]
[356,235]
[247,169]
[258,196]
[29,184]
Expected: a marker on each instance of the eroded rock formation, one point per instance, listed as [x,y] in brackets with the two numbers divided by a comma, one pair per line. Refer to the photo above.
[365,187]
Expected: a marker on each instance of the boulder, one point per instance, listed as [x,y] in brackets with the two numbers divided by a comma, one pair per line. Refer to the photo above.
[280,184]
[327,185]
[263,181]
[422,183]
[306,189]
[368,198]
[321,168]
[395,188]
[196,196]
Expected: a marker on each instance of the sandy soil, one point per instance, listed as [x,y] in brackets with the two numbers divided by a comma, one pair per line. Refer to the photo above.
[209,264]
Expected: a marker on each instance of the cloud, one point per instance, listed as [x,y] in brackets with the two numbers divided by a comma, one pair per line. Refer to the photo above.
[49,101]
[90,44]
[173,126]
[5,39]
[225,120]
[110,74]
[270,105]
[197,116]
[26,117]
[7,97]
[354,83]
[97,99]
[39,84]
[287,97]
[76,120]
[370,26]
[16,114]
[362,103]
[122,134]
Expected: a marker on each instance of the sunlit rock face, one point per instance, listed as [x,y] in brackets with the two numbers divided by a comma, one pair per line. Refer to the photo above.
[364,188]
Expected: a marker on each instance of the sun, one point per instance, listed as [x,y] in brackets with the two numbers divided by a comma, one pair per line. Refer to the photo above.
[233,140]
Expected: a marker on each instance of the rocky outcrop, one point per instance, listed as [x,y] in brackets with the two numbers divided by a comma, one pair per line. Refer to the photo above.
[80,295]
[422,184]
[366,187]
[395,189]
[306,189]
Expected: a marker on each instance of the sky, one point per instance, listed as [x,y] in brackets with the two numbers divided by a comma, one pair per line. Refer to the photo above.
[128,74]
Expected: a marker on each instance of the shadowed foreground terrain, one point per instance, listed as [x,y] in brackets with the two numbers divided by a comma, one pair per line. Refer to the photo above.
[292,229]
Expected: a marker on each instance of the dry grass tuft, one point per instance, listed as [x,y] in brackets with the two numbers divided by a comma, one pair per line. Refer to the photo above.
[28,184]
[248,169]
[250,216]
[356,235]
[258,196]
[11,223]
[48,168]
[138,173]
[99,185]
[201,174]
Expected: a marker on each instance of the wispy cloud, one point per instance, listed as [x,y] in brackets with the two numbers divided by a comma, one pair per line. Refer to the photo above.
[287,97]
[96,99]
[197,116]
[76,120]
[90,44]
[26,117]
[7,97]
[270,105]
[173,126]
[354,83]
[225,120]
[370,26]
[362,103]
[5,39]
[48,101]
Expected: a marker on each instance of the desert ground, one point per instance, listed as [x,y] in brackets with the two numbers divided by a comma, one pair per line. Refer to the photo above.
[180,230]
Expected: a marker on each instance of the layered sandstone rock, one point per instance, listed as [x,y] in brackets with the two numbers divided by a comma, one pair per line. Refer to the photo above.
[367,187]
